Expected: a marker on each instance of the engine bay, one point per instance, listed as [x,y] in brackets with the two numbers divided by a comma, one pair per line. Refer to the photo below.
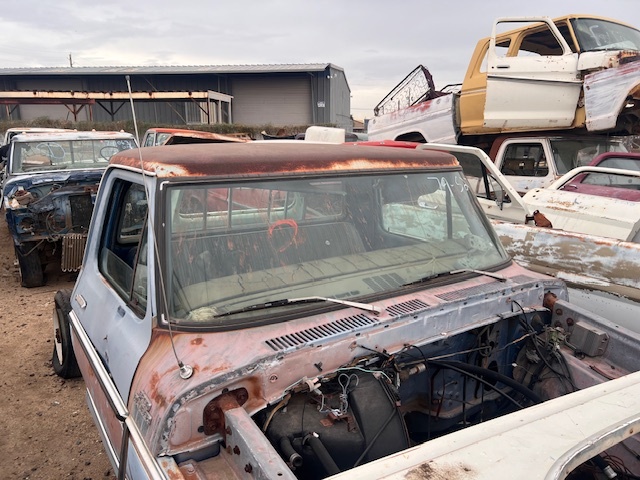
[385,402]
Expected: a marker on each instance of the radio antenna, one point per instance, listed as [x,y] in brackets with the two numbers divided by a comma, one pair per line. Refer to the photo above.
[186,371]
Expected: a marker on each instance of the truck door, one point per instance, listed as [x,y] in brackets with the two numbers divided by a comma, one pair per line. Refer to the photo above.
[527,163]
[533,84]
[110,296]
[498,199]
[113,307]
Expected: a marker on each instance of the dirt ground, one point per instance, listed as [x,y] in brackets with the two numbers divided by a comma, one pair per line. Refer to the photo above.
[46,431]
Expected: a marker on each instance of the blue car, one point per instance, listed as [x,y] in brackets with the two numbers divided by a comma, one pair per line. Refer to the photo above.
[49,188]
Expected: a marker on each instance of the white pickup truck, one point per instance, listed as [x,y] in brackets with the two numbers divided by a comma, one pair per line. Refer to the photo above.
[592,238]
[576,72]
[301,311]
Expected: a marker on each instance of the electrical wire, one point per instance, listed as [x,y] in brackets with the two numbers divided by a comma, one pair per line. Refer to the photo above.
[561,376]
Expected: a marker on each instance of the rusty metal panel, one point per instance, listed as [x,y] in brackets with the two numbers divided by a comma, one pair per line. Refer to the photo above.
[607,92]
[275,159]
[596,262]
[435,120]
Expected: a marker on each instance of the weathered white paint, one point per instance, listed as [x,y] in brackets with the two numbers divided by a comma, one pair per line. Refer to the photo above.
[433,119]
[615,308]
[546,441]
[584,213]
[602,272]
[531,92]
[606,93]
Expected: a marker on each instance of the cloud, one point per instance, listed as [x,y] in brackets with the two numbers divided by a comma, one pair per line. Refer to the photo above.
[376,42]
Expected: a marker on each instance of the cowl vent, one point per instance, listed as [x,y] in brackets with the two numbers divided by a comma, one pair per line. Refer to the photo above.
[321,332]
[471,291]
[492,287]
[407,308]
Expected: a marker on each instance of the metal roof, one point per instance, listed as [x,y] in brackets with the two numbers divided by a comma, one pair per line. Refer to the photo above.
[71,135]
[275,158]
[164,70]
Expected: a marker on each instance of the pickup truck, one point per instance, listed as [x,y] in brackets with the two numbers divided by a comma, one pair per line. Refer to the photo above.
[172,136]
[283,310]
[583,228]
[576,72]
[49,187]
[530,161]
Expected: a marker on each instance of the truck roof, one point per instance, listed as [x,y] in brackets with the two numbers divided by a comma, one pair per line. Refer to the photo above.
[564,18]
[70,135]
[275,158]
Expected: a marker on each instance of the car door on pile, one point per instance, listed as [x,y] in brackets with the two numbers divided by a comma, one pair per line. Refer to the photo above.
[532,83]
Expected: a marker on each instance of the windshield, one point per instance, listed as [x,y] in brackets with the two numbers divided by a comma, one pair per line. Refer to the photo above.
[44,155]
[571,153]
[343,238]
[624,162]
[594,34]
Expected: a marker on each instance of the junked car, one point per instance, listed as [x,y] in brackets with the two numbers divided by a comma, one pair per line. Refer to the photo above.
[49,190]
[173,136]
[583,228]
[298,310]
[13,131]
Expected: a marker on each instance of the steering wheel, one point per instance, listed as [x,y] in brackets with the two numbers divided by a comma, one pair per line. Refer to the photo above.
[108,151]
[51,150]
[281,225]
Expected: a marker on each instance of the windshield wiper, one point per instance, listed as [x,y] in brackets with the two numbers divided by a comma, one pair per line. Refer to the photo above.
[497,276]
[455,272]
[297,301]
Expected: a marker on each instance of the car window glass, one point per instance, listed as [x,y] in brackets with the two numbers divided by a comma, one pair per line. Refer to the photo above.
[525,160]
[122,239]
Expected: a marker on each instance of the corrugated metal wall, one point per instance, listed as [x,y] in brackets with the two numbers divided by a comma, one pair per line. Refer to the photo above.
[278,99]
[340,97]
[275,100]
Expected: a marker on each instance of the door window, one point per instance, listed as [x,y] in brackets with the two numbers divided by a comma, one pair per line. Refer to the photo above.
[123,252]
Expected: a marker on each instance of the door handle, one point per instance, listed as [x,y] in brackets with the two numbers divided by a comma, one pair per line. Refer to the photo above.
[503,66]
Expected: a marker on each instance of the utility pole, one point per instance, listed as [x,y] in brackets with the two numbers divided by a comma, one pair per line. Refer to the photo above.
[70,60]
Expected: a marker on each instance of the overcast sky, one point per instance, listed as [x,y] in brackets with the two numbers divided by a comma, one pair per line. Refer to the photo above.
[376,42]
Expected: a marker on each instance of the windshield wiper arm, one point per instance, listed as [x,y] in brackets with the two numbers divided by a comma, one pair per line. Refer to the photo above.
[297,301]
[497,276]
[454,272]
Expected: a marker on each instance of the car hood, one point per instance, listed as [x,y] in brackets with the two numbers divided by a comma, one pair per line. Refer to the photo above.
[75,177]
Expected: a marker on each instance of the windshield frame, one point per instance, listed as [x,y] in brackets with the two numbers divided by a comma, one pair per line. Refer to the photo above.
[316,287]
[628,38]
[578,154]
[62,155]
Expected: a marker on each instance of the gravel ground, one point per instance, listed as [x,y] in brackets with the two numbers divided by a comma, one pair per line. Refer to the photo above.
[46,431]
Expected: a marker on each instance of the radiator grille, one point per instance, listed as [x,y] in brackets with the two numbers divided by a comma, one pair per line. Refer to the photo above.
[321,332]
[73,245]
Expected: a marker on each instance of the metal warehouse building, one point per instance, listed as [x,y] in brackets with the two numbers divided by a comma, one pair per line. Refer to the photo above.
[278,95]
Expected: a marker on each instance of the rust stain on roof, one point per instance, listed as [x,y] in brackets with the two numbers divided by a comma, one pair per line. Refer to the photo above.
[244,159]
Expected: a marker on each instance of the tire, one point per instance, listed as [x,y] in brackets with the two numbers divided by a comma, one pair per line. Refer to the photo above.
[31,272]
[63,358]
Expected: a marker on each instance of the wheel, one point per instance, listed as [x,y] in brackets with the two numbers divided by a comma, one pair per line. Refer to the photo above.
[31,272]
[63,359]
